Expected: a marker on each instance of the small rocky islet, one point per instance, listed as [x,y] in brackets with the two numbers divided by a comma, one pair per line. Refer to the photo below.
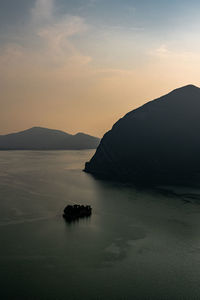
[75,212]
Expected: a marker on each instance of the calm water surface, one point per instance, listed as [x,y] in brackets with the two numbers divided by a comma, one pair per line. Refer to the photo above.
[137,244]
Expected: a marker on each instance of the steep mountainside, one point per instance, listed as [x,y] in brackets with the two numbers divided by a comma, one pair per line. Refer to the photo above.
[158,142]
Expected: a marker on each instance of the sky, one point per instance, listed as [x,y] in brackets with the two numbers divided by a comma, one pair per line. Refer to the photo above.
[80,65]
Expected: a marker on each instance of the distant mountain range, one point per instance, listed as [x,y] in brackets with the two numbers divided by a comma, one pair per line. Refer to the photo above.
[158,142]
[39,138]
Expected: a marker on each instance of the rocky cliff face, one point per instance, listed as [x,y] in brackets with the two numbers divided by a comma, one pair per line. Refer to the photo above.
[158,142]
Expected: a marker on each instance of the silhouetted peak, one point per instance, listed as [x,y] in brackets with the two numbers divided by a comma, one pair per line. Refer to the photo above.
[187,89]
[38,128]
[190,86]
[43,130]
[157,142]
[40,138]
[82,134]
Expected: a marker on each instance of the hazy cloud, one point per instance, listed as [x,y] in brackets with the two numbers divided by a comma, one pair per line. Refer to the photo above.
[162,51]
[43,11]
[52,34]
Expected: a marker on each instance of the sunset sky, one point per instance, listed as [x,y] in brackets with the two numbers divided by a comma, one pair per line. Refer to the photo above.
[80,65]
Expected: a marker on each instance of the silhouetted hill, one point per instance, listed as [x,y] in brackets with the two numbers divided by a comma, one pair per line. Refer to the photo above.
[157,142]
[38,138]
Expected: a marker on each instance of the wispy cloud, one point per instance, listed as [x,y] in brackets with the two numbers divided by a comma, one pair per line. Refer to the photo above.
[56,37]
[164,53]
[123,28]
[52,35]
[42,11]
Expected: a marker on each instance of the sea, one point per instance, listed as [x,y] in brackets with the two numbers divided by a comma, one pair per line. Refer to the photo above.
[138,243]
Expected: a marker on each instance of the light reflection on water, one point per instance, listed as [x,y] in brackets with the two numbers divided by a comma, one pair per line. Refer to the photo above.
[137,244]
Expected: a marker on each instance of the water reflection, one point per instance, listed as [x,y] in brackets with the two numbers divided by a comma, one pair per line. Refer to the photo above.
[73,221]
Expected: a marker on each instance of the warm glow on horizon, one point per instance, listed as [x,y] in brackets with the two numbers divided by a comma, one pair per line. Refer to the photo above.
[81,66]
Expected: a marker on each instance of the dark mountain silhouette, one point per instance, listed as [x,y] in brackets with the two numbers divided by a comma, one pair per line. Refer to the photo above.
[38,138]
[158,142]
